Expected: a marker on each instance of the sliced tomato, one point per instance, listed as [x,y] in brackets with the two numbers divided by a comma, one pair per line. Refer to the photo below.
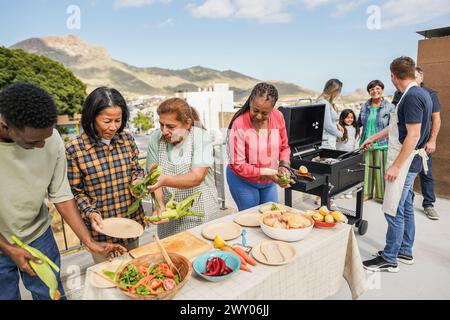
[155,284]
[142,270]
[169,284]
[166,270]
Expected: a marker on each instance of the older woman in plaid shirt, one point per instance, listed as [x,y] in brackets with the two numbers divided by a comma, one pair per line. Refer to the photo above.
[103,162]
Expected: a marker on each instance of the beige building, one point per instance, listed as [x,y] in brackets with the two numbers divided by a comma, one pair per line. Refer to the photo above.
[434,58]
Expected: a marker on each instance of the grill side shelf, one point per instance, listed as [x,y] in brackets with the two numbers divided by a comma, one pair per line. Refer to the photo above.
[304,185]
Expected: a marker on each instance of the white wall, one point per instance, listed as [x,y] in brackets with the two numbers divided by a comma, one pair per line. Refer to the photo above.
[210,102]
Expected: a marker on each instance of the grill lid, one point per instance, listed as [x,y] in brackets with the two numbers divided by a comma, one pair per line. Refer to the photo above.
[304,125]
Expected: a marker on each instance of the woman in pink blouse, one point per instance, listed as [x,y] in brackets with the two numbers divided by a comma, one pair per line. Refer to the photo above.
[258,149]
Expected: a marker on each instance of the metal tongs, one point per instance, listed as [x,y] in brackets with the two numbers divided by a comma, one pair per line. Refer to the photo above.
[295,175]
[342,156]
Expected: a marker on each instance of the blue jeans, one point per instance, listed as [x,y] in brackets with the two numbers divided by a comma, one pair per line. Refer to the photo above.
[401,228]
[9,272]
[427,186]
[247,194]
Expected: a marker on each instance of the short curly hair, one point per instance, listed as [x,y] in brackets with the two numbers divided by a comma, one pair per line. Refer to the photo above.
[27,105]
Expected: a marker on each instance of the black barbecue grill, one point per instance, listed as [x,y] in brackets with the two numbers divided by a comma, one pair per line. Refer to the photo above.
[336,171]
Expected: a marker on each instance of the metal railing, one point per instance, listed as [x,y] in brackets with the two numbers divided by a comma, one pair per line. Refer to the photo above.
[219,151]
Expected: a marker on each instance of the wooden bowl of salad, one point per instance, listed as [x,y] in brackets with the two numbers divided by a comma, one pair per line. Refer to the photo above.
[150,278]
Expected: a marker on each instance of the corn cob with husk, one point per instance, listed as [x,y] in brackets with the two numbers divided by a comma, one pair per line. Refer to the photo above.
[286,180]
[177,210]
[140,190]
[43,270]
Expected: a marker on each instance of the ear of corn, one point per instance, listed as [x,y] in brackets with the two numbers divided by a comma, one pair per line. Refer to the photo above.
[181,209]
[140,190]
[172,204]
[44,269]
[46,274]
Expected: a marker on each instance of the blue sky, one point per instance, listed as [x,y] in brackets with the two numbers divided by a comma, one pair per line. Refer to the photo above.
[301,41]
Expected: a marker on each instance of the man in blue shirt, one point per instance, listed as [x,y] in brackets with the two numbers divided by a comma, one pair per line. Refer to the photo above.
[411,134]
[426,179]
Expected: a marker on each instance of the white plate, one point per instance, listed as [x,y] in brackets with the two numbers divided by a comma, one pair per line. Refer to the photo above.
[99,281]
[122,228]
[225,230]
[287,251]
[250,219]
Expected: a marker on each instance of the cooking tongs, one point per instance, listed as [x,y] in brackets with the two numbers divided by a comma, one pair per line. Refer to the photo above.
[345,155]
[296,175]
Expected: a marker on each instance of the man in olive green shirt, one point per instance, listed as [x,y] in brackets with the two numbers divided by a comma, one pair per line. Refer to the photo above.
[32,167]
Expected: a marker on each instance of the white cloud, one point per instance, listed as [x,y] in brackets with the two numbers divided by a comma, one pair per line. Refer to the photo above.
[343,8]
[212,9]
[264,11]
[397,13]
[311,4]
[394,13]
[168,23]
[136,3]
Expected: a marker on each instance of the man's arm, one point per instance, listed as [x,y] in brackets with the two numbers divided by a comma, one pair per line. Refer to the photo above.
[69,212]
[18,255]
[430,147]
[408,146]
[377,136]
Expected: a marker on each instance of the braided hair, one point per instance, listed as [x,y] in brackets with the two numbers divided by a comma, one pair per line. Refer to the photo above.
[262,89]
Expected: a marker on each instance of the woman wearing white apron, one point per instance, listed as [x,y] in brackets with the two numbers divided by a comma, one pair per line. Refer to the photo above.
[183,150]
[408,131]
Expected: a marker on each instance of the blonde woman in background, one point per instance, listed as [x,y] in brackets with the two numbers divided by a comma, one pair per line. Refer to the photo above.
[331,129]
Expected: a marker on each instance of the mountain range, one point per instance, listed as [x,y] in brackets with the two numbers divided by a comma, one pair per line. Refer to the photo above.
[96,67]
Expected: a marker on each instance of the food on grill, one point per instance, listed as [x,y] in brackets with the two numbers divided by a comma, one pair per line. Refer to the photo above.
[325,160]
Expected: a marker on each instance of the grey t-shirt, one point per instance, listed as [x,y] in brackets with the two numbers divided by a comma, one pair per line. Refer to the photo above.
[27,177]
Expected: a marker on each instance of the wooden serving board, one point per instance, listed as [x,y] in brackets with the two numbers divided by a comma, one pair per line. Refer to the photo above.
[184,243]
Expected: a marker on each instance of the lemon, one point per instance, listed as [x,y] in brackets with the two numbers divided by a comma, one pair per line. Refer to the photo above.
[303,170]
[218,242]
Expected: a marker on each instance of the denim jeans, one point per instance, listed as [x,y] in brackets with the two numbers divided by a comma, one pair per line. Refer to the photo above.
[247,194]
[401,228]
[9,272]
[427,186]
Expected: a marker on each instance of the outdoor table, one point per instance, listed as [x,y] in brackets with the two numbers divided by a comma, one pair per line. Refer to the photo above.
[322,259]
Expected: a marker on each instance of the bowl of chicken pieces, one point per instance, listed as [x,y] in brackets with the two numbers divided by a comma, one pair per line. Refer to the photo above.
[286,226]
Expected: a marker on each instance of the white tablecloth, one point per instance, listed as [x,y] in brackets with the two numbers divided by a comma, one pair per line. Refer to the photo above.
[323,258]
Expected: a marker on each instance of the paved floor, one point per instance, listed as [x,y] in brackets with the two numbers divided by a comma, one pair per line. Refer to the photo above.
[428,278]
